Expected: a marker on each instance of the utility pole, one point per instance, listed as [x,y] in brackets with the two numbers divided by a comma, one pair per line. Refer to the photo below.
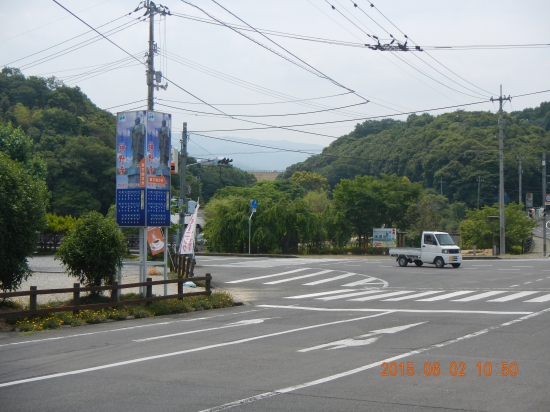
[544,204]
[520,172]
[183,167]
[153,78]
[501,170]
[479,180]
[441,181]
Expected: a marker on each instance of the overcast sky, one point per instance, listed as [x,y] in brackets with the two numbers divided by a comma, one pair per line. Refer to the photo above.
[239,77]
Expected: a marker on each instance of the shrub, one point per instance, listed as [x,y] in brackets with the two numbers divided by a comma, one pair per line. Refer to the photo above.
[92,250]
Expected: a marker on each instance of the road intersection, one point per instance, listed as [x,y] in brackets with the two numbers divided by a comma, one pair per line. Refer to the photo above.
[312,334]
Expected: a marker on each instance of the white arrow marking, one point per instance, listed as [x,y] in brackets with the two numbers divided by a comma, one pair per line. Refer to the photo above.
[359,340]
[229,325]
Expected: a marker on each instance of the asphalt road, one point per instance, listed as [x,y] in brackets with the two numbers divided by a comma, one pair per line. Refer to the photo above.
[313,335]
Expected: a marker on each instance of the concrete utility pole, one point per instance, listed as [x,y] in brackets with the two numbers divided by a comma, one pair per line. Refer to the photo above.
[501,170]
[441,181]
[183,167]
[152,75]
[544,204]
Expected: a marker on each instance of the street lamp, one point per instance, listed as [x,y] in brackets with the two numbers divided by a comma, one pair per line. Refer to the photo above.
[492,219]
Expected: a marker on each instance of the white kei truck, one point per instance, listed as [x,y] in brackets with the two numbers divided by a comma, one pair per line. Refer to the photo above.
[437,248]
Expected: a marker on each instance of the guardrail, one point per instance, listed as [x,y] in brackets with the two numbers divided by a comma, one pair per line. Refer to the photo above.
[114,288]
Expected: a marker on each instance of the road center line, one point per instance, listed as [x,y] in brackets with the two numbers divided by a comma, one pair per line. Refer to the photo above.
[182,352]
[467,312]
[344,374]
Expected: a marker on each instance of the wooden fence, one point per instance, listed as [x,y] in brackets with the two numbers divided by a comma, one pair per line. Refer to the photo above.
[76,290]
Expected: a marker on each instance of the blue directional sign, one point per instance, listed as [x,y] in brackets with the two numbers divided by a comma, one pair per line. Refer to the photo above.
[254,204]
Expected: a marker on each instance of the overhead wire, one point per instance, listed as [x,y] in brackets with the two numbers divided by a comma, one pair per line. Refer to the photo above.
[383,15]
[260,103]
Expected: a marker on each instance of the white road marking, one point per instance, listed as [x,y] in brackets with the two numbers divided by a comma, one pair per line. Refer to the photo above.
[512,297]
[360,340]
[189,332]
[348,295]
[318,282]
[311,295]
[365,367]
[513,286]
[105,331]
[182,352]
[360,282]
[401,292]
[509,269]
[543,298]
[481,265]
[479,296]
[526,283]
[446,296]
[269,276]
[467,312]
[522,266]
[322,272]
[416,295]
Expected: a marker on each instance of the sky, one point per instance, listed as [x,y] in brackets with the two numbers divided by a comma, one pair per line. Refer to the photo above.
[274,86]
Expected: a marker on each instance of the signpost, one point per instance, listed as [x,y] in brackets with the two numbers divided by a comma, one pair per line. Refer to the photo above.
[143,175]
[253,207]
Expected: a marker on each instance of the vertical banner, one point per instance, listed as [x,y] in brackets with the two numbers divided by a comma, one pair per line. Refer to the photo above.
[187,245]
[157,157]
[155,239]
[130,168]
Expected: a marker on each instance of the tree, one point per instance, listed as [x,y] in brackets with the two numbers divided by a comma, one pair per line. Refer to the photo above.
[92,251]
[477,229]
[24,198]
[310,181]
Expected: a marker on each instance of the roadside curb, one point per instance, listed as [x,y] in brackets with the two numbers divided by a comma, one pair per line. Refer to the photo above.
[243,255]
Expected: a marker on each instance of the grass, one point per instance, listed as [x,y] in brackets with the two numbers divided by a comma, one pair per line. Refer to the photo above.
[158,308]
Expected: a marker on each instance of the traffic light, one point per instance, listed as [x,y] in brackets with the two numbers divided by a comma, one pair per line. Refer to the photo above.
[224,161]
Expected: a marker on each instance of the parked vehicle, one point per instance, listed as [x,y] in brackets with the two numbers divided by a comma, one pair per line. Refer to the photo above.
[437,248]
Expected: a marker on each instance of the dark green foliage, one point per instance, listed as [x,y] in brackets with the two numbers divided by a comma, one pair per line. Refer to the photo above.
[74,137]
[455,147]
[23,202]
[92,250]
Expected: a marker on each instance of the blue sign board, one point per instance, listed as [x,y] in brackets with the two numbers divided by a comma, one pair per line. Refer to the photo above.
[143,170]
[254,204]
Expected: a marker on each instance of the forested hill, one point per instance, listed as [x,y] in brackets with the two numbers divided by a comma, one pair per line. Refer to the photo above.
[76,139]
[456,148]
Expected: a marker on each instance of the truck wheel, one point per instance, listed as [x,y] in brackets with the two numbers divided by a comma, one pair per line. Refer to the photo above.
[402,260]
[418,262]
[439,262]
[455,265]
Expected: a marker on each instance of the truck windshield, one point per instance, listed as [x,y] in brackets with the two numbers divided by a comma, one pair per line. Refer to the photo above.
[444,239]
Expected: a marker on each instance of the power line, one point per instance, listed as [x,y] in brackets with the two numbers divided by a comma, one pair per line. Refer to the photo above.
[260,104]
[351,120]
[361,44]
[266,115]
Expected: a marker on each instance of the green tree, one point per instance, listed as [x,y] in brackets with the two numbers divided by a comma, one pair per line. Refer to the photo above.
[24,198]
[310,181]
[92,250]
[477,229]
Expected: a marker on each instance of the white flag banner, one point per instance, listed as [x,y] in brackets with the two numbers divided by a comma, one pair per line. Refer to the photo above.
[187,245]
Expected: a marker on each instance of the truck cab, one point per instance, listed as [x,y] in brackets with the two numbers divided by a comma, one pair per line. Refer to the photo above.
[440,249]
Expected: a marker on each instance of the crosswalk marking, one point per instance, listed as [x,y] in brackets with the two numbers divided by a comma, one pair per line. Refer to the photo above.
[360,282]
[311,295]
[322,272]
[446,296]
[318,282]
[416,295]
[401,292]
[543,298]
[479,296]
[269,276]
[348,295]
[511,297]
